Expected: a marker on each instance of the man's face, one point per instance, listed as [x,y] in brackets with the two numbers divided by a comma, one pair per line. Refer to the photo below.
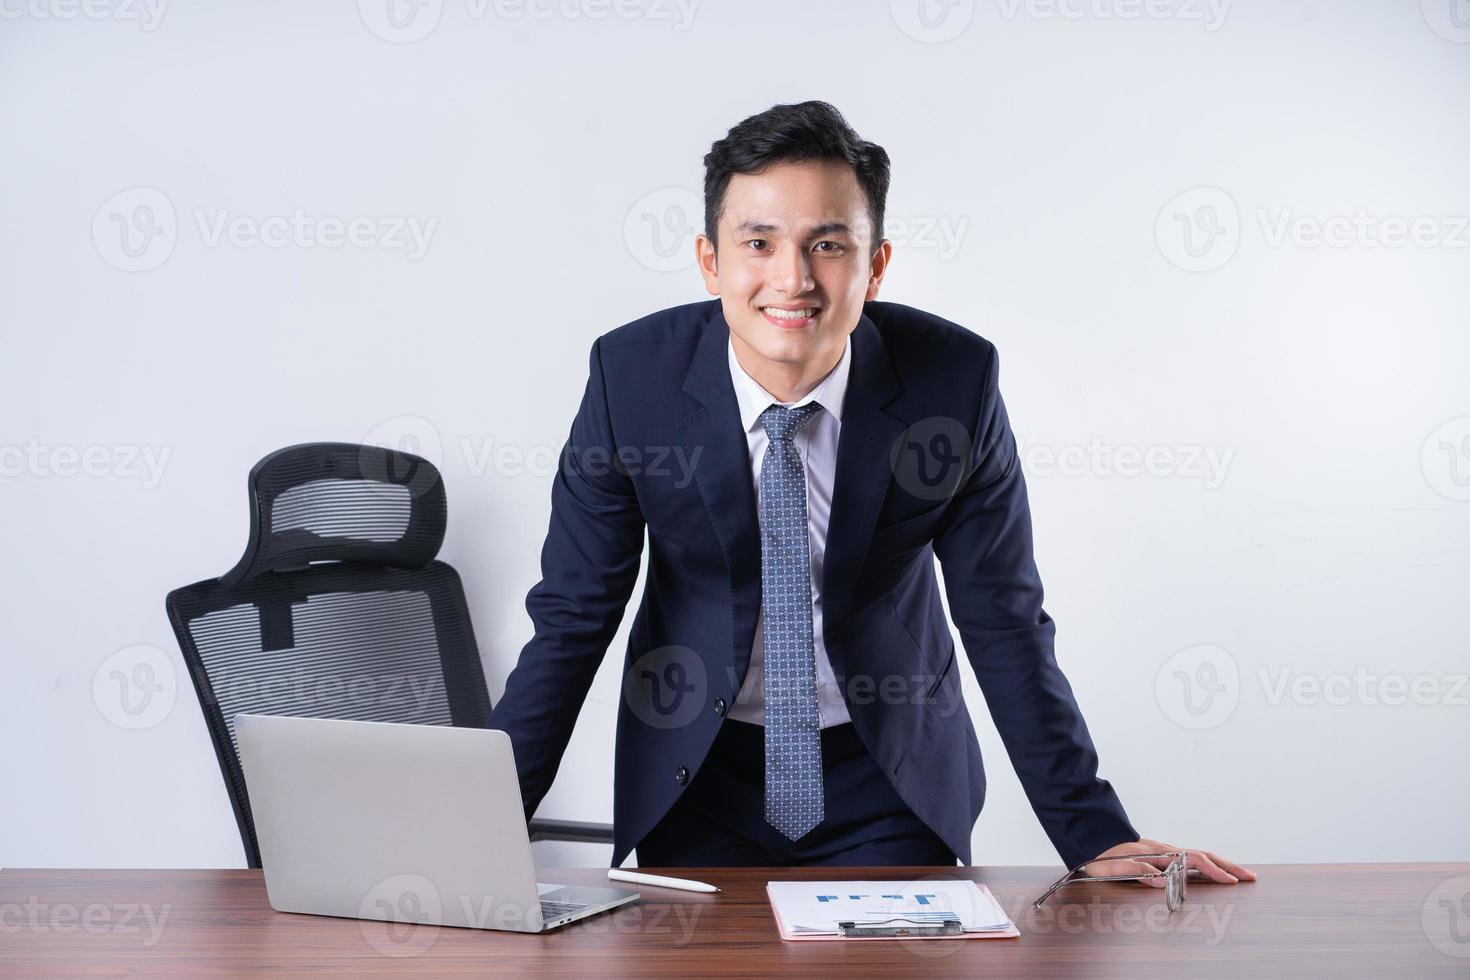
[796,237]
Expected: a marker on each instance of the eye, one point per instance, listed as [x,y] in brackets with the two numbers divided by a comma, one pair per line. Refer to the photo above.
[759,243]
[836,246]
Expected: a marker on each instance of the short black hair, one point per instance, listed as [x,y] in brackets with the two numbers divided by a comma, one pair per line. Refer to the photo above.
[804,131]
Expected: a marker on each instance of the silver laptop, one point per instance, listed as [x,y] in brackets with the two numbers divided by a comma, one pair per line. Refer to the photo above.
[400,823]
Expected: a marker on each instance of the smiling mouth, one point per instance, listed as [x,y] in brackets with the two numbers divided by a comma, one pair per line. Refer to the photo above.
[790,318]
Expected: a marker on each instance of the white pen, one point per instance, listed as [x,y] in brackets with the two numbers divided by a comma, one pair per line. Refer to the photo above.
[659,881]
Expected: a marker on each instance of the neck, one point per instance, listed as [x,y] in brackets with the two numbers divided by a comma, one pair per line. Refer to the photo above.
[785,380]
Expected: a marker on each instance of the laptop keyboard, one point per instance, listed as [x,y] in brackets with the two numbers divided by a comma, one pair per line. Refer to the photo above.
[555,910]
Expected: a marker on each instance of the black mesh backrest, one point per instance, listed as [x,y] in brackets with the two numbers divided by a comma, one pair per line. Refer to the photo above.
[375,630]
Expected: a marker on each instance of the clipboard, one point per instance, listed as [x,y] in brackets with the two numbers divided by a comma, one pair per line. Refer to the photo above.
[960,909]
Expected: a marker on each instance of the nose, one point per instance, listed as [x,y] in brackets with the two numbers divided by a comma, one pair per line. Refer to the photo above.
[792,272]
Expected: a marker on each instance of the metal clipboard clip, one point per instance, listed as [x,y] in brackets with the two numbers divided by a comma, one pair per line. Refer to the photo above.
[885,927]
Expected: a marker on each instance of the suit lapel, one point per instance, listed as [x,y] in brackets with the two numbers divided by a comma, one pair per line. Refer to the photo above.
[723,478]
[863,474]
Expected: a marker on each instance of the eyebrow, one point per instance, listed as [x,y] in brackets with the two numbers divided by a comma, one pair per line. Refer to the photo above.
[766,227]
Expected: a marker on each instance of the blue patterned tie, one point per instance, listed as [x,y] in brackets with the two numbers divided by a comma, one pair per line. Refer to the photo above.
[793,727]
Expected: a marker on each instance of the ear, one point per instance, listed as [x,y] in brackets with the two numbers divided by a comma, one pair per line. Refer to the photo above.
[879,266]
[704,252]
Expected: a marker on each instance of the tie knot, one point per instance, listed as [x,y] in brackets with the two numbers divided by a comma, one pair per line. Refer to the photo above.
[783,423]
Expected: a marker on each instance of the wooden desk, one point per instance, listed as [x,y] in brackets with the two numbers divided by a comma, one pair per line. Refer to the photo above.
[1340,921]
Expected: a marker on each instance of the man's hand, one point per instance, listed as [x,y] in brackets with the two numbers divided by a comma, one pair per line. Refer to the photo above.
[1116,861]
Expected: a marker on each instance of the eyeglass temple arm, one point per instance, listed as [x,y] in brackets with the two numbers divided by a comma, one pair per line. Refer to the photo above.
[1068,878]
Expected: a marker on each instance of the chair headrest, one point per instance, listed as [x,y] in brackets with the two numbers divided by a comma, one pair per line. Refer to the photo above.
[338,501]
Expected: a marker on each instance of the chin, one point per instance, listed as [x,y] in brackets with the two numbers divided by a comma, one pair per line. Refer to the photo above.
[778,348]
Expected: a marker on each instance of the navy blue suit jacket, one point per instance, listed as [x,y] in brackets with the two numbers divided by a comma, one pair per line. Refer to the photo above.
[926,466]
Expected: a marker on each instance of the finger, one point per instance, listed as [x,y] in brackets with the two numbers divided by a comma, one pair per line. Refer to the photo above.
[1240,871]
[1201,862]
[1156,863]
[1155,880]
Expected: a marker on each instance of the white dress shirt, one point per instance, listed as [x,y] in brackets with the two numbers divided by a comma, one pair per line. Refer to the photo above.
[816,443]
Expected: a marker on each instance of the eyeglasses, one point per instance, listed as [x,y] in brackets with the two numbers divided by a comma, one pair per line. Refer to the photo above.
[1175,875]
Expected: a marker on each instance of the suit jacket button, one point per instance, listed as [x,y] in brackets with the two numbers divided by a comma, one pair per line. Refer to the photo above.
[681,776]
[720,707]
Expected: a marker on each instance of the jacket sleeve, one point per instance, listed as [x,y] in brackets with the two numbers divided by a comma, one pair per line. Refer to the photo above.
[589,564]
[994,591]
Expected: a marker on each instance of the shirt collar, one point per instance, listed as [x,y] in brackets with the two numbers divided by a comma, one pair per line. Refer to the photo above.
[754,399]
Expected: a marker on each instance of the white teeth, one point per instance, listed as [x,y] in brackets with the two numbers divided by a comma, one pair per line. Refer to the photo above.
[790,314]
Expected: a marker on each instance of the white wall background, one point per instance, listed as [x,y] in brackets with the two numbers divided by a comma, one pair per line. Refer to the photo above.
[1307,513]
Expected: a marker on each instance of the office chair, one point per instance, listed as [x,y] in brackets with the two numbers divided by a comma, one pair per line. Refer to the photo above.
[338,609]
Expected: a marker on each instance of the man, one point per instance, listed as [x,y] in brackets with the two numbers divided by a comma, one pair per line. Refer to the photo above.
[791,692]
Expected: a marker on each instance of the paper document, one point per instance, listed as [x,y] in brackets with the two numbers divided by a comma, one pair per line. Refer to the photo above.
[814,908]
